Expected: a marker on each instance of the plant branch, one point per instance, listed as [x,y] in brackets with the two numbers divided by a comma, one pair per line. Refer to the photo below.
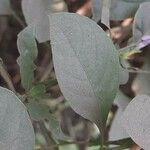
[6,76]
[47,72]
[18,19]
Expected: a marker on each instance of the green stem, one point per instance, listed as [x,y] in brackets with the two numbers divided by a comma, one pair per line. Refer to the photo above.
[102,137]
[50,83]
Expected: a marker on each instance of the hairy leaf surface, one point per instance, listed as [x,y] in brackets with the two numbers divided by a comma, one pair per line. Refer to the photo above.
[16,131]
[86,64]
[136,120]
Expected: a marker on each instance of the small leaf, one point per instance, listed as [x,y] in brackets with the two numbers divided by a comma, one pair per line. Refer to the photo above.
[136,120]
[37,111]
[37,91]
[28,52]
[86,65]
[141,22]
[5,7]
[16,131]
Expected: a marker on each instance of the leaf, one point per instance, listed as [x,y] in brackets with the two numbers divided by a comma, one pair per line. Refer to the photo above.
[5,7]
[85,62]
[37,91]
[39,112]
[28,52]
[136,120]
[141,22]
[36,12]
[16,131]
[119,9]
[122,10]
[117,131]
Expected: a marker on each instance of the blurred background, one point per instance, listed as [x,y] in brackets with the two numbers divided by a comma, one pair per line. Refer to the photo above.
[72,124]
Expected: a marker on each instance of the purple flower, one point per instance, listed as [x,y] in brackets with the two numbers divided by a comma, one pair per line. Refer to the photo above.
[144,41]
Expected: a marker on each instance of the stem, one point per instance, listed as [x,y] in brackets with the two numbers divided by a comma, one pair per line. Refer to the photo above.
[102,140]
[17,18]
[6,76]
[49,83]
[139,71]
[128,48]
[47,72]
[50,141]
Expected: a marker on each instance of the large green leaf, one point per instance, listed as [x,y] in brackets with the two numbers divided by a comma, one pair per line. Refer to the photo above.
[36,12]
[16,131]
[86,64]
[119,9]
[28,52]
[141,24]
[5,7]
[136,120]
